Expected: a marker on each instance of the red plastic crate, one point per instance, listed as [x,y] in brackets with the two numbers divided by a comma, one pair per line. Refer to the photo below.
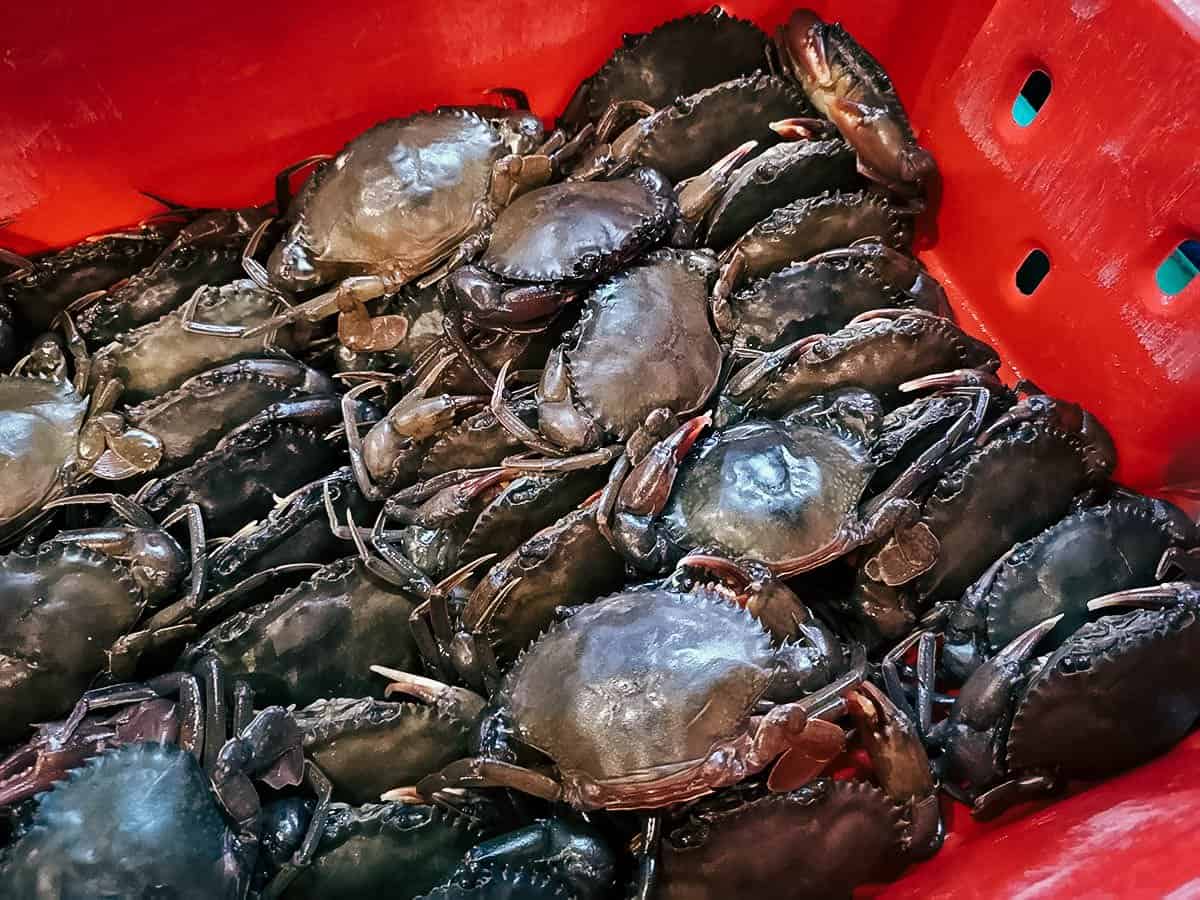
[204,102]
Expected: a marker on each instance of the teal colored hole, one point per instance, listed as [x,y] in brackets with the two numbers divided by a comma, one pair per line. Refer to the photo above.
[1178,269]
[1031,99]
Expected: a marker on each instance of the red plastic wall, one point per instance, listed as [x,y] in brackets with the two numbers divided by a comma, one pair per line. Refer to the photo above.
[203,102]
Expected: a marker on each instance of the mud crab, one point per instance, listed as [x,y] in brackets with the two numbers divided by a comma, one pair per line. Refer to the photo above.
[650,720]
[69,604]
[1021,476]
[677,58]
[820,840]
[786,492]
[805,227]
[824,293]
[847,85]
[1093,551]
[651,323]
[1115,693]
[392,205]
[879,351]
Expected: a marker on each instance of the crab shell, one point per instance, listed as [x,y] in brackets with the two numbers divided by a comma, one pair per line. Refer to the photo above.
[385,850]
[1094,551]
[779,175]
[160,355]
[563,565]
[1119,691]
[140,821]
[807,226]
[580,231]
[348,738]
[648,326]
[685,137]
[821,296]
[42,420]
[818,842]
[643,699]
[58,279]
[502,883]
[764,490]
[61,608]
[677,58]
[310,641]
[191,419]
[399,196]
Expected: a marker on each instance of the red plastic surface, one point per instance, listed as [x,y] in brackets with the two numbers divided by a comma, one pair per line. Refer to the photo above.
[203,102]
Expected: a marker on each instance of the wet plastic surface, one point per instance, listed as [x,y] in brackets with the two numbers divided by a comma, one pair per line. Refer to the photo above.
[202,103]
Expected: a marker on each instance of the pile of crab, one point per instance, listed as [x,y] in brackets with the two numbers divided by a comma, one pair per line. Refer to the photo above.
[608,511]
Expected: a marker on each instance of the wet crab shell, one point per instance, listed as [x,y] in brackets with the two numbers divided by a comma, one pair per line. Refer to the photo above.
[310,641]
[807,226]
[684,138]
[1091,552]
[763,490]
[61,608]
[385,850]
[1119,691]
[400,195]
[616,696]
[817,842]
[159,356]
[581,230]
[563,565]
[502,883]
[648,326]
[42,419]
[140,821]
[779,175]
[677,58]
[347,739]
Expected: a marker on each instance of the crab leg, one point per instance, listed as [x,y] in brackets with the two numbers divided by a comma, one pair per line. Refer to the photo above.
[646,880]
[1157,596]
[485,773]
[512,423]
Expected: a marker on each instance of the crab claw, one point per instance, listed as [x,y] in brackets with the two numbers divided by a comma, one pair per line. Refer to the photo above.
[955,378]
[648,486]
[801,128]
[1171,593]
[699,194]
[801,43]
[457,702]
[451,502]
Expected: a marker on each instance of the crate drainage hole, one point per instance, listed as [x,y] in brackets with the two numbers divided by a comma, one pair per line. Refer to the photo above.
[1179,268]
[1032,98]
[1033,270]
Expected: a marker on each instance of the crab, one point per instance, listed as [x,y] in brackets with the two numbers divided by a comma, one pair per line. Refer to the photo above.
[685,136]
[825,292]
[241,478]
[882,351]
[190,420]
[69,604]
[395,850]
[159,356]
[805,227]
[56,437]
[483,513]
[305,644]
[1117,692]
[848,86]
[40,288]
[565,564]
[147,817]
[676,59]
[780,174]
[1092,551]
[1021,476]
[551,243]
[635,720]
[651,324]
[208,250]
[787,492]
[822,839]
[347,739]
[393,204]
